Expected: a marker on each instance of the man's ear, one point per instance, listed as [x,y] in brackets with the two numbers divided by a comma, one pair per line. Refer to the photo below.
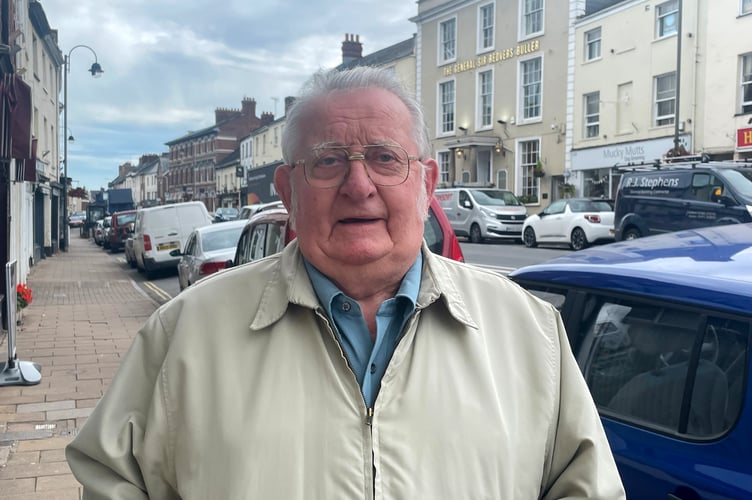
[432,175]
[283,185]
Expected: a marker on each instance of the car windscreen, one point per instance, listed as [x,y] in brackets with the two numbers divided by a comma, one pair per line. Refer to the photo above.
[495,197]
[219,240]
[741,180]
[123,219]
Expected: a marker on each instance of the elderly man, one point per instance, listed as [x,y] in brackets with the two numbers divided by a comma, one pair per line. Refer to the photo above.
[355,364]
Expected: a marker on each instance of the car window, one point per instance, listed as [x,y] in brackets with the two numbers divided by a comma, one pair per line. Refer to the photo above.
[556,207]
[123,219]
[190,244]
[665,368]
[274,241]
[217,240]
[258,241]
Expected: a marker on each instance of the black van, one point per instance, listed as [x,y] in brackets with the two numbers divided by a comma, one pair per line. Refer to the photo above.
[676,197]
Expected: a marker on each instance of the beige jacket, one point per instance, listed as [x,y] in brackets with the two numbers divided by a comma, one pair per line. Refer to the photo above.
[237,389]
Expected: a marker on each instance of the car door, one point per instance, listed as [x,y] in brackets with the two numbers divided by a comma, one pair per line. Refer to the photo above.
[186,264]
[551,225]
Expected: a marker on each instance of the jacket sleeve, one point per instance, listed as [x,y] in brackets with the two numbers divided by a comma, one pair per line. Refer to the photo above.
[581,463]
[122,451]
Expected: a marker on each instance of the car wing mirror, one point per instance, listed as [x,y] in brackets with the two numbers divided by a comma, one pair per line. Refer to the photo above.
[230,263]
[176,253]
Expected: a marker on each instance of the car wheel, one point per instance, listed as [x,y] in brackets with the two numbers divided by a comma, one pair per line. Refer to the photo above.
[632,234]
[578,240]
[529,238]
[475,236]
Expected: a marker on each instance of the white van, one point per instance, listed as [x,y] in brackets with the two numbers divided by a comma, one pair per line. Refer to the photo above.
[159,230]
[483,213]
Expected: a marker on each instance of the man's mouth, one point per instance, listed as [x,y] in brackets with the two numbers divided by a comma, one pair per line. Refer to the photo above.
[357,221]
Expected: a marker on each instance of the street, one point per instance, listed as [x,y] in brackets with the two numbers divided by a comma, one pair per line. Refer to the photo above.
[502,257]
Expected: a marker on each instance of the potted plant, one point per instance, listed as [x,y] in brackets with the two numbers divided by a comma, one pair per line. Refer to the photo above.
[23,298]
[538,170]
[566,190]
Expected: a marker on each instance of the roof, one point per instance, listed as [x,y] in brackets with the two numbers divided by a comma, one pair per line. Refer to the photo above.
[193,134]
[384,56]
[709,266]
[598,5]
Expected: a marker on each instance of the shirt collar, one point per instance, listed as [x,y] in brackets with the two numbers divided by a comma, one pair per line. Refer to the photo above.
[326,290]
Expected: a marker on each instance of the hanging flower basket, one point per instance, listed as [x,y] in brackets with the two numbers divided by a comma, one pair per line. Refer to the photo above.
[538,170]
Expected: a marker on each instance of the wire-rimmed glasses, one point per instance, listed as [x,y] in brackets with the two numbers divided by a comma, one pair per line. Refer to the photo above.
[327,166]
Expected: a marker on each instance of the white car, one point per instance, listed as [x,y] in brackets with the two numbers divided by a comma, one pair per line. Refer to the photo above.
[207,250]
[578,222]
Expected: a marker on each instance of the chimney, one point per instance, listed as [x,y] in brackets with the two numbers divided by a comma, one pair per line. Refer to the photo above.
[289,101]
[352,49]
[224,114]
[248,106]
[266,118]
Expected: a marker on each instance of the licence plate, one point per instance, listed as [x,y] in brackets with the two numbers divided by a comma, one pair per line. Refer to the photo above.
[167,246]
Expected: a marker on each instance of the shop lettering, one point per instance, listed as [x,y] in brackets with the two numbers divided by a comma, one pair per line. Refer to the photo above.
[651,182]
[492,58]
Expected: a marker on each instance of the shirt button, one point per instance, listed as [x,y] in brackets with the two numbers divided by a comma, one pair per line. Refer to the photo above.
[346,306]
[373,367]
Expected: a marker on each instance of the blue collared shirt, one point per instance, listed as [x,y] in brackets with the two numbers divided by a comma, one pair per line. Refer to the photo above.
[368,358]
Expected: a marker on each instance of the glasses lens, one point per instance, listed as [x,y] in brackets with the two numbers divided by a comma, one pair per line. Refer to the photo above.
[386,165]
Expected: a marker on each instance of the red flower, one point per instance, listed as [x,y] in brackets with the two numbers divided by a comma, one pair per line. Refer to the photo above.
[23,295]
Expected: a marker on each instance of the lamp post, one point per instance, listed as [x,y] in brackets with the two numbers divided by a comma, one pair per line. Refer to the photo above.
[96,71]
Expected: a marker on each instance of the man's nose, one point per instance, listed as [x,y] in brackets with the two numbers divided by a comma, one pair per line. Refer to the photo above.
[357,175]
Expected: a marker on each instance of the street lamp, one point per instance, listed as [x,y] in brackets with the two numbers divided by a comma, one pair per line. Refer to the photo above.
[96,71]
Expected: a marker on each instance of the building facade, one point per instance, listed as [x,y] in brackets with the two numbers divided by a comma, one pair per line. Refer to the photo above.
[492,80]
[194,156]
[653,79]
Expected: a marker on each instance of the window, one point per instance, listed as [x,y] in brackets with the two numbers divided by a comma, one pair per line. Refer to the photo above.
[746,7]
[592,114]
[530,72]
[444,158]
[530,153]
[746,82]
[640,359]
[501,179]
[446,107]
[665,99]
[486,27]
[485,98]
[593,44]
[666,16]
[447,40]
[532,17]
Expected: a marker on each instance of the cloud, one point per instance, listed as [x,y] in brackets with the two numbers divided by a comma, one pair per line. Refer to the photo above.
[169,64]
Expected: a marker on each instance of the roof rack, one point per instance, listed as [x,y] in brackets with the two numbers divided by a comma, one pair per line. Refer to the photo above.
[683,162]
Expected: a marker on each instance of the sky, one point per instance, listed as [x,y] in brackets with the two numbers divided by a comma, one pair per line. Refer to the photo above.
[168,64]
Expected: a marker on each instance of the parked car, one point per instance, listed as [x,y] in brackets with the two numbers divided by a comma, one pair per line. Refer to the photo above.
[206,251]
[224,214]
[159,230]
[682,196]
[130,256]
[121,226]
[76,219]
[99,231]
[248,211]
[661,328]
[578,222]
[106,227]
[483,213]
[269,231]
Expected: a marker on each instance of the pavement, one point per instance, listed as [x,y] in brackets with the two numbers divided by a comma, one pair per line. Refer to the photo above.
[85,312]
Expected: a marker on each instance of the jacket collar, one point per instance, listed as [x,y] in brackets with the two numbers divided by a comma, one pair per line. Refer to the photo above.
[289,284]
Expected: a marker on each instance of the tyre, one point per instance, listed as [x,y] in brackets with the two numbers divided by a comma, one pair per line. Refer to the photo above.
[529,238]
[631,234]
[475,236]
[578,239]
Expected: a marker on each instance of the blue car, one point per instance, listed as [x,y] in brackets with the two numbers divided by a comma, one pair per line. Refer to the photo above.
[661,328]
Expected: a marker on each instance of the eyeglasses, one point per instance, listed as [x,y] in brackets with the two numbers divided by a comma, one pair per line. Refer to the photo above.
[327,166]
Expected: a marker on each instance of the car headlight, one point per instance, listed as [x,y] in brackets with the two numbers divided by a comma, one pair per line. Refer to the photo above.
[749,209]
[488,213]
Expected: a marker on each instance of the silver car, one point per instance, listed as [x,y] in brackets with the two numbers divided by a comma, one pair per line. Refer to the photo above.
[206,251]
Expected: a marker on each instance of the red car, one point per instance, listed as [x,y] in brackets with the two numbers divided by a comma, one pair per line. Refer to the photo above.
[120,227]
[268,232]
